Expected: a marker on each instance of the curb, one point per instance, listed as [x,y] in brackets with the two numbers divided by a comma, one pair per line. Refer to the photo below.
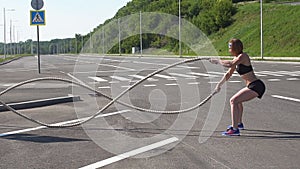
[8,61]
[41,103]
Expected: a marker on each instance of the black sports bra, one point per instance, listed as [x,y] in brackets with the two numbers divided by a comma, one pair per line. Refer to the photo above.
[242,69]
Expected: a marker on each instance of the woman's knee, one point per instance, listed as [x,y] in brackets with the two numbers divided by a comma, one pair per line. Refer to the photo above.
[234,101]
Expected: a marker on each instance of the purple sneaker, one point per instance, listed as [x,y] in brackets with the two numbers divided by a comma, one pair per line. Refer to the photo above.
[240,126]
[231,132]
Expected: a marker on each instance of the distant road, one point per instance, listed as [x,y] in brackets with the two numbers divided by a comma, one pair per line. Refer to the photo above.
[293,3]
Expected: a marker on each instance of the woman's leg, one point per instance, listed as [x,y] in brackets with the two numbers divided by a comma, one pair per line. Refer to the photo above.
[240,110]
[236,100]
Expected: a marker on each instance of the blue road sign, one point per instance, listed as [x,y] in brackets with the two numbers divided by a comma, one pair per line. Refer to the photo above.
[37,18]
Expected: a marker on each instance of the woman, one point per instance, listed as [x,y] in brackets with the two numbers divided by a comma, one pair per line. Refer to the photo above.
[255,87]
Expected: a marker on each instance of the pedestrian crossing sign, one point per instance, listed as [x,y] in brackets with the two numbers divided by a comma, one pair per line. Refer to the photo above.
[37,18]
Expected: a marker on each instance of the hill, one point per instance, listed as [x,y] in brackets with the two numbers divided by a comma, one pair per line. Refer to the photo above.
[280,25]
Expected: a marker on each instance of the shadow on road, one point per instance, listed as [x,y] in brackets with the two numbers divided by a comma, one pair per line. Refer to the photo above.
[41,139]
[270,134]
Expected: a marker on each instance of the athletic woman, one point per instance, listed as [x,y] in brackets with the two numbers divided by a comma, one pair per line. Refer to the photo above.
[255,87]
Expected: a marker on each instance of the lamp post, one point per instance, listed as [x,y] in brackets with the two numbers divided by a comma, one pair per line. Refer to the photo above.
[261,31]
[141,35]
[4,20]
[119,36]
[179,28]
[13,36]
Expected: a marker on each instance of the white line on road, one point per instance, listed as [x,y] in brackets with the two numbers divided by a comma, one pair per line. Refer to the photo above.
[183,75]
[203,74]
[286,98]
[289,73]
[60,123]
[127,86]
[142,77]
[118,67]
[194,83]
[292,79]
[234,81]
[120,78]
[270,73]
[130,154]
[104,87]
[273,80]
[220,73]
[150,85]
[172,84]
[165,77]
[98,79]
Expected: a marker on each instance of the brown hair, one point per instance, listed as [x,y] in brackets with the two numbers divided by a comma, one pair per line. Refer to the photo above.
[237,45]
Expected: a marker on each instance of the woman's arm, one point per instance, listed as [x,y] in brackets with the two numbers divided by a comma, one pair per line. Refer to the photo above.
[231,64]
[225,63]
[226,77]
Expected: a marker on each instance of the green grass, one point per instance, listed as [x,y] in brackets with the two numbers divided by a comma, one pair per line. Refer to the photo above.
[7,58]
[281,30]
[15,56]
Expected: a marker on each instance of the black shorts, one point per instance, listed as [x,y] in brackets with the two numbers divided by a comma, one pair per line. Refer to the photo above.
[258,86]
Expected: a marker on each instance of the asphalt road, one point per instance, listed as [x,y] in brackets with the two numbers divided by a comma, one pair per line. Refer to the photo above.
[124,138]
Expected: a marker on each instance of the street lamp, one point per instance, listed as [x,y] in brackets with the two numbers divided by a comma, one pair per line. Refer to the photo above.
[12,37]
[261,31]
[4,20]
[179,28]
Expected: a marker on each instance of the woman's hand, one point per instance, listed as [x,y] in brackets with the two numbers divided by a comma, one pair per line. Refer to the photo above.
[214,61]
[218,88]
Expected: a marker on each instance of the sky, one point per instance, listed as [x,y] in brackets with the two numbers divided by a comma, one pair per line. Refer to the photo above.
[64,18]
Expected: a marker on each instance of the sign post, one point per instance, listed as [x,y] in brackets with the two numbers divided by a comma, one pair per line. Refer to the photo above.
[37,18]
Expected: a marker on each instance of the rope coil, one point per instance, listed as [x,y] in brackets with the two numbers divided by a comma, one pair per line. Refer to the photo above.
[113,100]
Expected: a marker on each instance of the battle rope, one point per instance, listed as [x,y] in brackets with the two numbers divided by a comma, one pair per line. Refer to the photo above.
[113,100]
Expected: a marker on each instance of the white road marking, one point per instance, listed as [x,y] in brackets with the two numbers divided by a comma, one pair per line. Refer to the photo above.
[172,84]
[286,98]
[297,72]
[118,67]
[60,123]
[259,75]
[165,77]
[130,154]
[273,80]
[9,84]
[188,67]
[12,84]
[203,74]
[125,86]
[113,82]
[149,63]
[292,79]
[142,77]
[234,81]
[120,78]
[121,61]
[270,73]
[287,73]
[150,85]
[194,83]
[98,79]
[162,64]
[221,73]
[104,87]
[183,75]
[93,62]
